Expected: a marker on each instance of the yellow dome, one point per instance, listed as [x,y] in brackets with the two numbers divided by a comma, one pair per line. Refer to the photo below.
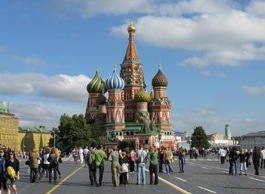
[131,28]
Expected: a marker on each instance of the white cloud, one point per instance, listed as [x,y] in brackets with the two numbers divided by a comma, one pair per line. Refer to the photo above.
[256,7]
[63,87]
[222,32]
[43,99]
[255,90]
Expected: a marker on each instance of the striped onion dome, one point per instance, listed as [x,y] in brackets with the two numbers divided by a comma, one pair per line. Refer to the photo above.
[159,79]
[142,96]
[115,81]
[96,85]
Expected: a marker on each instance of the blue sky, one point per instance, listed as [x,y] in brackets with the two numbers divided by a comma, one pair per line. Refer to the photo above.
[212,53]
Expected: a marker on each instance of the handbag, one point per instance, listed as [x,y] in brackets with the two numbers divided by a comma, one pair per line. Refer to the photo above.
[27,162]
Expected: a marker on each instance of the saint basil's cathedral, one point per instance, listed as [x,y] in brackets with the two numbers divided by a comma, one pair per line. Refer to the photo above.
[130,113]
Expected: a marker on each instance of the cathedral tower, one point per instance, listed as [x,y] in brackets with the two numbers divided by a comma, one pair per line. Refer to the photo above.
[132,74]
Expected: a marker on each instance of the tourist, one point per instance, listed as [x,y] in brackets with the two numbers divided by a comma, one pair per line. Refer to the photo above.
[124,169]
[34,166]
[115,166]
[11,179]
[255,159]
[243,161]
[100,157]
[141,160]
[153,159]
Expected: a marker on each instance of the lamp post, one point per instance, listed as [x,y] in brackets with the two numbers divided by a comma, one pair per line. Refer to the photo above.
[54,130]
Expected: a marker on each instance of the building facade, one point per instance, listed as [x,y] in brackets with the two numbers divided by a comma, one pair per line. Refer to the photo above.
[18,138]
[8,128]
[130,113]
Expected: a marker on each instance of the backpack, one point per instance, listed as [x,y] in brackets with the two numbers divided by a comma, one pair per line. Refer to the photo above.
[53,161]
[91,158]
[11,172]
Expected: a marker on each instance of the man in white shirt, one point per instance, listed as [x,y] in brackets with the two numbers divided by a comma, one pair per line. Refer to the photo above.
[222,153]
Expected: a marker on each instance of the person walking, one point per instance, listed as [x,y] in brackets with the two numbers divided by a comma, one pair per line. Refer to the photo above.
[152,156]
[222,154]
[255,159]
[34,166]
[91,165]
[243,161]
[124,169]
[53,159]
[114,157]
[11,179]
[100,157]
[181,160]
[45,163]
[141,160]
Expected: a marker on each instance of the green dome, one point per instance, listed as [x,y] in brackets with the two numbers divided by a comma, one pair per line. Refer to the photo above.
[96,85]
[142,96]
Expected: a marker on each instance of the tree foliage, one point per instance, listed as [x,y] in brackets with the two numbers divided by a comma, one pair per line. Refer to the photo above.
[73,131]
[199,138]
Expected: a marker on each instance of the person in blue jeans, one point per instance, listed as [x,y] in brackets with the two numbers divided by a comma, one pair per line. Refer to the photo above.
[141,161]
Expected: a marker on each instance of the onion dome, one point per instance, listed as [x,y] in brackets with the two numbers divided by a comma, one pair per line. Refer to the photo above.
[131,28]
[159,79]
[102,99]
[96,85]
[142,96]
[115,81]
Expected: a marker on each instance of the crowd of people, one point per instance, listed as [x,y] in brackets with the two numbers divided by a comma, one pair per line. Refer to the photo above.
[126,161]
[240,159]
[123,162]
[46,162]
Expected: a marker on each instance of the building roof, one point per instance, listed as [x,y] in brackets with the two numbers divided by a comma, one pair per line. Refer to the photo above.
[40,129]
[255,134]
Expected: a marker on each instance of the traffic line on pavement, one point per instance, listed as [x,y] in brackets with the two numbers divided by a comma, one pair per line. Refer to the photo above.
[59,183]
[173,186]
[180,179]
[257,179]
[203,188]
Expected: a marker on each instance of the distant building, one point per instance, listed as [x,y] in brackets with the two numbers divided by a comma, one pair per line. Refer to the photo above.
[20,139]
[217,140]
[250,140]
[227,132]
[8,128]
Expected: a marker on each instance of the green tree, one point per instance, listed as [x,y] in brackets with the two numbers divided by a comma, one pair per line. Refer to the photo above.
[199,138]
[73,131]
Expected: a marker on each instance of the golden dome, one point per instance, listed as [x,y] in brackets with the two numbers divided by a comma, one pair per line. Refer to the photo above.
[131,28]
